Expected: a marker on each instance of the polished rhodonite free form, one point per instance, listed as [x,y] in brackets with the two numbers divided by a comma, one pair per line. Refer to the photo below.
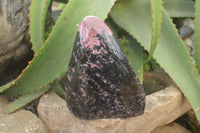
[100,82]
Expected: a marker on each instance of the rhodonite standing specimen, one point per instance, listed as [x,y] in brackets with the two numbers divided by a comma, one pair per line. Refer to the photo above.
[100,82]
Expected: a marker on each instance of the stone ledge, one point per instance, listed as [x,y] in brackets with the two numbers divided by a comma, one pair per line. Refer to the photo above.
[21,121]
[171,128]
[162,108]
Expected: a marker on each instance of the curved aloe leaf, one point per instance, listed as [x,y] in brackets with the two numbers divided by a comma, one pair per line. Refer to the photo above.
[171,54]
[23,100]
[53,59]
[56,86]
[197,34]
[134,55]
[125,18]
[134,51]
[44,14]
[35,17]
[156,8]
[179,8]
[2,88]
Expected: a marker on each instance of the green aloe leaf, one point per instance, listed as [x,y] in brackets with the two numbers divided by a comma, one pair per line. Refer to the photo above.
[156,8]
[134,55]
[197,34]
[171,54]
[179,8]
[52,60]
[44,14]
[23,100]
[56,86]
[35,17]
[2,88]
[141,30]
[132,50]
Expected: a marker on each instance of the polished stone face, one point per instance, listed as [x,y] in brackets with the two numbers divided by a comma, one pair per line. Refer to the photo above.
[100,82]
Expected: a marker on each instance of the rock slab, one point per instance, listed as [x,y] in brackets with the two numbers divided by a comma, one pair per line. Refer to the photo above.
[21,121]
[171,128]
[15,48]
[162,108]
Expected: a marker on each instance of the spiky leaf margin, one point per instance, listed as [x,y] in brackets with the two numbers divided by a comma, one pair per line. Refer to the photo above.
[197,34]
[36,16]
[23,100]
[156,13]
[171,54]
[179,8]
[52,60]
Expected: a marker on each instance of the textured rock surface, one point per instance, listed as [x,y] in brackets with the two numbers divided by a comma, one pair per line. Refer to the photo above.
[191,117]
[100,83]
[156,80]
[15,49]
[21,121]
[171,128]
[162,108]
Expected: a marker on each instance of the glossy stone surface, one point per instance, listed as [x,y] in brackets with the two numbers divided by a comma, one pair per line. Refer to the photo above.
[100,82]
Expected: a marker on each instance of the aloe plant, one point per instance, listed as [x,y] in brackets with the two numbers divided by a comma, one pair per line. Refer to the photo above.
[170,52]
[146,21]
[52,59]
[196,34]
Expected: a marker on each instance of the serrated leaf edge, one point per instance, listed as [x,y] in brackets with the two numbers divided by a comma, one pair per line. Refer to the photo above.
[9,112]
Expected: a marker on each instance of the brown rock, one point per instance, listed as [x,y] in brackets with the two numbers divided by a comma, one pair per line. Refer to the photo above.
[162,108]
[21,121]
[156,80]
[15,49]
[171,128]
[191,117]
